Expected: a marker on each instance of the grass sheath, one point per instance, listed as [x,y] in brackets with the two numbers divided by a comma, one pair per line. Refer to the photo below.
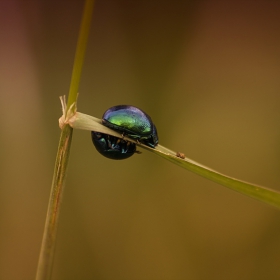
[47,249]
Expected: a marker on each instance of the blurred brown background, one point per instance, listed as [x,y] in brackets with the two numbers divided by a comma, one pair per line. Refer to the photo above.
[208,74]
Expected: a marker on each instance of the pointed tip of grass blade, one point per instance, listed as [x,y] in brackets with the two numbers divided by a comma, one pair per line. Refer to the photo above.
[262,194]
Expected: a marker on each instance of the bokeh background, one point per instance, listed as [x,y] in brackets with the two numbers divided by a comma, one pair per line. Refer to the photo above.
[208,74]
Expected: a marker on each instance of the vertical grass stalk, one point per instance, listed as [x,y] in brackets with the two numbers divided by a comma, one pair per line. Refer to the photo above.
[46,257]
